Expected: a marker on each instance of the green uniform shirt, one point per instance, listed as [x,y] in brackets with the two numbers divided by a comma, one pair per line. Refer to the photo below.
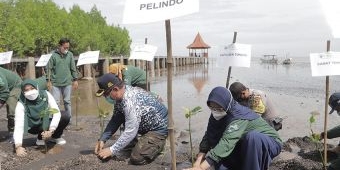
[234,132]
[134,76]
[62,69]
[8,81]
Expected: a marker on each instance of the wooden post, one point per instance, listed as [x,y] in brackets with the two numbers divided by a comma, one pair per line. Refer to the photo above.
[87,69]
[326,113]
[30,68]
[146,70]
[169,84]
[229,70]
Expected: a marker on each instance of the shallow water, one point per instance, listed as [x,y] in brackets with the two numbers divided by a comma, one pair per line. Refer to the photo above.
[192,84]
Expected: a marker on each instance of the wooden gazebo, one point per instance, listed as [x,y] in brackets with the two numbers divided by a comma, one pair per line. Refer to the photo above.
[198,48]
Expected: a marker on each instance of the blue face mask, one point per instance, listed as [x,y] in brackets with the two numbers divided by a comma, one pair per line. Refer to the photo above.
[110,100]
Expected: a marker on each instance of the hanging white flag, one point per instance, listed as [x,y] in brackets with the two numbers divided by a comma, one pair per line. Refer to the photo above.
[43,60]
[325,64]
[235,54]
[88,57]
[6,57]
[143,52]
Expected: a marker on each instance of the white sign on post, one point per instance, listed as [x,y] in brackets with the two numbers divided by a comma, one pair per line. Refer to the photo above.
[332,15]
[88,57]
[144,11]
[325,64]
[143,52]
[235,54]
[6,57]
[43,60]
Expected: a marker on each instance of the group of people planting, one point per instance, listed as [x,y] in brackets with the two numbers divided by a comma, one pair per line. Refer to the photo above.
[241,131]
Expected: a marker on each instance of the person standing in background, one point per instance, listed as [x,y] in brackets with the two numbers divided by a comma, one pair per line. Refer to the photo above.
[62,74]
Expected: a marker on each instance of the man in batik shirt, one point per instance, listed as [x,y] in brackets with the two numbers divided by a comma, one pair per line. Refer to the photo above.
[141,113]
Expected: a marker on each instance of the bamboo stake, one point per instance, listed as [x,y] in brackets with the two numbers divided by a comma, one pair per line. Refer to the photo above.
[146,69]
[169,96]
[229,70]
[326,113]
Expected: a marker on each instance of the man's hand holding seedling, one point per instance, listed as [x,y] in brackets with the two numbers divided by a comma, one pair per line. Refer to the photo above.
[99,146]
[105,153]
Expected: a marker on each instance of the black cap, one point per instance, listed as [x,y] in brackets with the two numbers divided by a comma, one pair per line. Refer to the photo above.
[107,82]
[334,101]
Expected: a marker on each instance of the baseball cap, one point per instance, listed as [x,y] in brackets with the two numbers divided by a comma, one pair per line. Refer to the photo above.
[334,101]
[106,83]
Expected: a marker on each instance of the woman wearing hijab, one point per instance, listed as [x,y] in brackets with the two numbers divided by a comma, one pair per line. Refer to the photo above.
[236,137]
[37,112]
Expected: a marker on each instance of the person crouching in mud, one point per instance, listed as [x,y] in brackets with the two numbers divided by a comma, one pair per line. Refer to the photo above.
[257,101]
[29,117]
[141,112]
[236,137]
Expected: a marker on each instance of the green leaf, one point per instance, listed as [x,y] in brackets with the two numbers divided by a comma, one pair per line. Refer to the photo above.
[196,110]
[312,119]
[53,111]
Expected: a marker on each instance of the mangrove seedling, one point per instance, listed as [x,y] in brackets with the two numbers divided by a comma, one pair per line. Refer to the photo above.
[102,115]
[45,112]
[314,136]
[188,113]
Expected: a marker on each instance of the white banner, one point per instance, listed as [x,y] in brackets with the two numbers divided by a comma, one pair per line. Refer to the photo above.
[332,15]
[325,64]
[235,54]
[43,60]
[144,11]
[143,52]
[6,57]
[88,57]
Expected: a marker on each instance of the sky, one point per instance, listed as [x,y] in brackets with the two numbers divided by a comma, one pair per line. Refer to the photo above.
[286,28]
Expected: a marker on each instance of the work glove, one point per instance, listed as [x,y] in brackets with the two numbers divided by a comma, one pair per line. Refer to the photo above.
[46,134]
[20,151]
[99,146]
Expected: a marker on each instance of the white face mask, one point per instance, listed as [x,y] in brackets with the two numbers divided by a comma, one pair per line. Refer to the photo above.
[65,52]
[32,94]
[218,114]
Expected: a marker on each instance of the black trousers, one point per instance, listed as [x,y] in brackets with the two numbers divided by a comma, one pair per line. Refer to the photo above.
[64,120]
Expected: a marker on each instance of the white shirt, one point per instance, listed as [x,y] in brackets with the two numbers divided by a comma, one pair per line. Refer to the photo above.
[20,119]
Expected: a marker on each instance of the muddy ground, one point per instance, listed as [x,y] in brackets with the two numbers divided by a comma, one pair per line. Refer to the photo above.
[298,153]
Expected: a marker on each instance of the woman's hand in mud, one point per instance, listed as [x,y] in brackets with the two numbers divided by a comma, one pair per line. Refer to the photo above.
[20,151]
[105,153]
[99,146]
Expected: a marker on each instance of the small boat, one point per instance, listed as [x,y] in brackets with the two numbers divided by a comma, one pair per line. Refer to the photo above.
[287,61]
[269,59]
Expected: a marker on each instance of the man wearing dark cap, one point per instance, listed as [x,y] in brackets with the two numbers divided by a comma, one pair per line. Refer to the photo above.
[334,103]
[141,112]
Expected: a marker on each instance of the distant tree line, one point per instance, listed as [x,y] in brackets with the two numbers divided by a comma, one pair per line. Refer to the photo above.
[34,27]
